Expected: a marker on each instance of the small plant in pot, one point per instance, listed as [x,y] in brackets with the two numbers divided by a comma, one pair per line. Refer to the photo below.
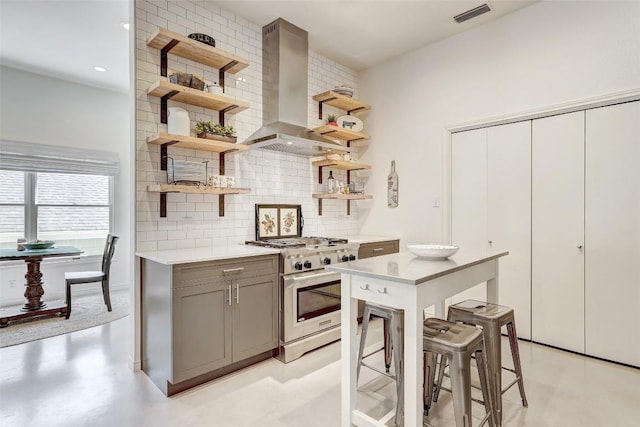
[205,129]
[332,120]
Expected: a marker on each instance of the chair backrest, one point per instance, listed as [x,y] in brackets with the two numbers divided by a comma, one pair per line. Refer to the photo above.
[109,249]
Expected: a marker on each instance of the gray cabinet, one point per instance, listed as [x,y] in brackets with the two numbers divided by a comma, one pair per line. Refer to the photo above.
[199,318]
[368,250]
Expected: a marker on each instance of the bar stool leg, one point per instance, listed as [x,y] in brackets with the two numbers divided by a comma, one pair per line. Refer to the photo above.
[388,345]
[484,385]
[363,336]
[515,353]
[429,361]
[438,385]
[494,367]
[460,374]
[397,338]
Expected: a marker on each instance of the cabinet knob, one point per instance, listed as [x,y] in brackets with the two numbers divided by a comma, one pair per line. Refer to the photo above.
[491,242]
[579,246]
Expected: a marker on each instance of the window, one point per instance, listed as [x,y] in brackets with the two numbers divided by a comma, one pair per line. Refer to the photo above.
[70,209]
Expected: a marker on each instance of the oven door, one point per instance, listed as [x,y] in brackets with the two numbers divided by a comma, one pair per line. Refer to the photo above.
[310,304]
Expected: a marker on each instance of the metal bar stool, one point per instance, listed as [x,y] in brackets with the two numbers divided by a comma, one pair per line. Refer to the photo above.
[457,343]
[491,317]
[393,346]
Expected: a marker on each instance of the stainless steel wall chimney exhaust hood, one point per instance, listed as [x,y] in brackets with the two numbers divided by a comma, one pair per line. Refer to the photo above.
[285,63]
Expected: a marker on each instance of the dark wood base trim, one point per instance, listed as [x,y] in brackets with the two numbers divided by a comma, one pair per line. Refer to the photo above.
[185,385]
[50,309]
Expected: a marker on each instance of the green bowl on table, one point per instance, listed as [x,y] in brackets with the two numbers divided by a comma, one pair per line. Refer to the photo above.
[38,245]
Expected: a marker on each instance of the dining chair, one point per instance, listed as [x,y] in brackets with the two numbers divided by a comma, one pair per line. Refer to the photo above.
[78,277]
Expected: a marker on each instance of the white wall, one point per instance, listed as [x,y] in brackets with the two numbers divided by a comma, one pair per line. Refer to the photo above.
[192,219]
[40,109]
[547,54]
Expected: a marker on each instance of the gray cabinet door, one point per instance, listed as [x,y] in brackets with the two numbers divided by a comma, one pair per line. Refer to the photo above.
[201,330]
[255,326]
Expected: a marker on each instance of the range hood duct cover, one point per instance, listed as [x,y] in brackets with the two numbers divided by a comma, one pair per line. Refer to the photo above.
[285,64]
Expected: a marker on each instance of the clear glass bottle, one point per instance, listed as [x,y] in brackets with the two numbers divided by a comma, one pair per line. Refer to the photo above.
[331,183]
[392,189]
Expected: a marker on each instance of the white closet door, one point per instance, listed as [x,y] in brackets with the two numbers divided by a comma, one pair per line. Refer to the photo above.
[509,215]
[558,231]
[469,198]
[612,228]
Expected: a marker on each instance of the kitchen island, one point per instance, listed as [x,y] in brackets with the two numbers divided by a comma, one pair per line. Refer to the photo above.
[207,312]
[404,281]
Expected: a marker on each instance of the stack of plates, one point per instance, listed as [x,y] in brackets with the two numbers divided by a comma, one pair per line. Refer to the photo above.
[344,90]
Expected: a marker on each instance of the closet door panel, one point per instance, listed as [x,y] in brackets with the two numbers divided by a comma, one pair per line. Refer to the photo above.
[509,215]
[612,229]
[558,231]
[469,198]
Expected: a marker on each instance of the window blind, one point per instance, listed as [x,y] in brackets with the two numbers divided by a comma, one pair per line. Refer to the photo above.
[34,157]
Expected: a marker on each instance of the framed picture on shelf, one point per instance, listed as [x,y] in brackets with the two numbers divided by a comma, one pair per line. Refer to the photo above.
[278,221]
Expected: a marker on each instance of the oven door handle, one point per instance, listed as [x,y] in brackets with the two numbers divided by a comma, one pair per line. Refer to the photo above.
[314,277]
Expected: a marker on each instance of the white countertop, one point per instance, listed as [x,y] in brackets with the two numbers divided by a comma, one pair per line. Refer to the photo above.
[184,256]
[404,267]
[370,239]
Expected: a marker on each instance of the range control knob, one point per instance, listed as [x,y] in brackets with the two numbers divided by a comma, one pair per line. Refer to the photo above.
[326,261]
[352,257]
[307,264]
[345,258]
[297,265]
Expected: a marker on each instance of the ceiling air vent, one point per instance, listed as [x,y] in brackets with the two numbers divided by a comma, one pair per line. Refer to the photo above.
[476,11]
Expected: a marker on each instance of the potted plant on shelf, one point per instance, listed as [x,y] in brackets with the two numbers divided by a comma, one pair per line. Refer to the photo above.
[206,130]
[332,120]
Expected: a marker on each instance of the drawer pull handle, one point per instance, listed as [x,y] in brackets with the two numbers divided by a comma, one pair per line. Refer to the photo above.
[365,287]
[326,322]
[233,270]
[382,291]
[378,249]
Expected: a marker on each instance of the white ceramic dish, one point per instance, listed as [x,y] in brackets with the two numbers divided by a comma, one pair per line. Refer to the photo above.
[432,250]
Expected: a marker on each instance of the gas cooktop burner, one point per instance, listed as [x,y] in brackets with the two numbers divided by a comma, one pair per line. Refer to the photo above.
[298,242]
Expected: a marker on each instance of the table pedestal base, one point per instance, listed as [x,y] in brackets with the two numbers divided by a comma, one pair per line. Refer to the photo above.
[17,313]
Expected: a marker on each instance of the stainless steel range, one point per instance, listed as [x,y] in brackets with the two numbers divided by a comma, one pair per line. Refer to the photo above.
[309,295]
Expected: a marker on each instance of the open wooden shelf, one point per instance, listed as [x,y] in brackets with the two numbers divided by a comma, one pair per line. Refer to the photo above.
[340,133]
[340,196]
[196,143]
[197,97]
[185,47]
[176,188]
[340,164]
[342,102]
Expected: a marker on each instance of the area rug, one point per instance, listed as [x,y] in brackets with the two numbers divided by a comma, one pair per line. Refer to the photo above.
[87,311]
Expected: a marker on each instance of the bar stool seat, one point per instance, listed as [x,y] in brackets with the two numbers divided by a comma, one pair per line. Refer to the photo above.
[393,348]
[490,317]
[457,343]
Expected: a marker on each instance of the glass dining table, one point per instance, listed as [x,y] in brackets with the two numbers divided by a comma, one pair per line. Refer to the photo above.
[34,305]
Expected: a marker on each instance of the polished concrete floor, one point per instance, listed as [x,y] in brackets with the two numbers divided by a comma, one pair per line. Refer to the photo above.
[83,379]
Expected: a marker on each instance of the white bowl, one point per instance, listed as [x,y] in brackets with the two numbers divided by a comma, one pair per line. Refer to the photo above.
[432,250]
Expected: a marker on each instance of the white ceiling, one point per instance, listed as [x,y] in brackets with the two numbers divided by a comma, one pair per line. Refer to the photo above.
[66,38]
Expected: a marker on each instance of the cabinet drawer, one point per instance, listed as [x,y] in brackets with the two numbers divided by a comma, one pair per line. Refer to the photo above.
[219,271]
[369,250]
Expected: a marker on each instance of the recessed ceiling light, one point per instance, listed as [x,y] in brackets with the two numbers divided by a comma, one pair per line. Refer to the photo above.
[125,25]
[99,68]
